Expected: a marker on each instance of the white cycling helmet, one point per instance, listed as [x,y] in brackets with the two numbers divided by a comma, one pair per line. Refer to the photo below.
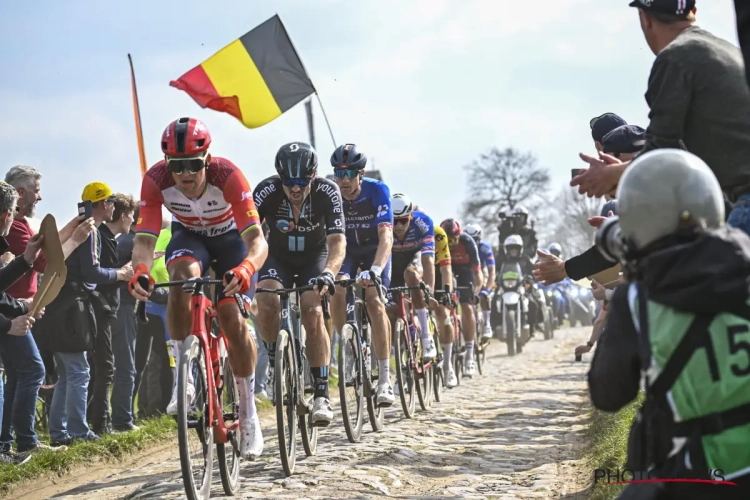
[513,242]
[555,249]
[474,230]
[401,205]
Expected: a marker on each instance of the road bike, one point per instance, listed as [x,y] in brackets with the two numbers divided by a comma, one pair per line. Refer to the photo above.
[458,354]
[293,381]
[412,371]
[205,357]
[358,368]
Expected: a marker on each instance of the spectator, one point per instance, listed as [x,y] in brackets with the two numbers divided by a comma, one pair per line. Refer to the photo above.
[624,142]
[699,101]
[23,365]
[124,325]
[602,125]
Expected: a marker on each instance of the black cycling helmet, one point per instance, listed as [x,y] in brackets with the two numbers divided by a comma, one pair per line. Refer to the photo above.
[296,160]
[347,156]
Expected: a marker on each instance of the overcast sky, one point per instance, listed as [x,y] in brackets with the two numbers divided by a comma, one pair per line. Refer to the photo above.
[423,86]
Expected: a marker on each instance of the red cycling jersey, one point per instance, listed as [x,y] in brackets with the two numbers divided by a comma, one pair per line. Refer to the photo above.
[226,203]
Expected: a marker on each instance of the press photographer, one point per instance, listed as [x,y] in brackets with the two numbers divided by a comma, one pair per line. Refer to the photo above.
[683,316]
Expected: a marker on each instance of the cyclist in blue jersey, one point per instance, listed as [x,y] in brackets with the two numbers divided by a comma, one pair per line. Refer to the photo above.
[487,261]
[369,238]
[413,258]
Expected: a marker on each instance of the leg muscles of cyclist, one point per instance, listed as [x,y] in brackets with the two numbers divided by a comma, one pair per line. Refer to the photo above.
[269,307]
[381,333]
[242,351]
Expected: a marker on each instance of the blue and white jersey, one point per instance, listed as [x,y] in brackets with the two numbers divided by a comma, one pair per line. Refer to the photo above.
[370,211]
[486,255]
[420,237]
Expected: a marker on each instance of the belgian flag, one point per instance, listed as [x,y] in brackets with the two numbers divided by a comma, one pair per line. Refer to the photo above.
[256,78]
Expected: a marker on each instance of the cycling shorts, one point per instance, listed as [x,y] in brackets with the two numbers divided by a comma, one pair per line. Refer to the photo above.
[362,258]
[222,253]
[464,277]
[293,272]
[399,265]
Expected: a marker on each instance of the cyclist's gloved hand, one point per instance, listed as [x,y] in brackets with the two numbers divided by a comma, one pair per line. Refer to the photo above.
[365,276]
[243,275]
[134,288]
[484,292]
[324,282]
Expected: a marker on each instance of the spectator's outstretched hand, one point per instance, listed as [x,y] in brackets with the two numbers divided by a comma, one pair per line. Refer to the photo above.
[549,269]
[600,178]
[33,247]
[598,220]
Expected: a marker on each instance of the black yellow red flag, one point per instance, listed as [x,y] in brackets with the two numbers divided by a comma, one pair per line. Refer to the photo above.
[256,78]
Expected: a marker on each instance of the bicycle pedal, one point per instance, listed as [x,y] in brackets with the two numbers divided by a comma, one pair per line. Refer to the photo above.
[321,424]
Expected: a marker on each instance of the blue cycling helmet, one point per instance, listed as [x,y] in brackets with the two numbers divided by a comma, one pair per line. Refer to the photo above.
[347,156]
[556,250]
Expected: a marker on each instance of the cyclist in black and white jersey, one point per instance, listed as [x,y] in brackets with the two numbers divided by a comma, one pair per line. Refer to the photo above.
[305,220]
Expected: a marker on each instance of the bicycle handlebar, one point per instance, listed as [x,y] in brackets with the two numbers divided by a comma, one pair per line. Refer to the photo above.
[347,282]
[190,285]
[422,286]
[445,292]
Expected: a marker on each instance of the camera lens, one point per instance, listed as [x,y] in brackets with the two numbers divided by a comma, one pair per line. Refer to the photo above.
[609,240]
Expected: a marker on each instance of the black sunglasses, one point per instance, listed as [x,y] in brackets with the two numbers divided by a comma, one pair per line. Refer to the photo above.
[181,166]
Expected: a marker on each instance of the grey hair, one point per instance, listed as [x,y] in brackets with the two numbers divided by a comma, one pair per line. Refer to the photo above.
[21,175]
[8,197]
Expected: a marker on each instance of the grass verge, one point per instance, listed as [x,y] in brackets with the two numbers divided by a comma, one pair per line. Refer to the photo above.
[111,447]
[608,445]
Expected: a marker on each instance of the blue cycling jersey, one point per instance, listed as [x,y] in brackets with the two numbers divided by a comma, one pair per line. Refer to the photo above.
[419,237]
[486,255]
[364,215]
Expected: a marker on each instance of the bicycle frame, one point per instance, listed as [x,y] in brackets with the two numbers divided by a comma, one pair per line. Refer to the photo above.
[405,314]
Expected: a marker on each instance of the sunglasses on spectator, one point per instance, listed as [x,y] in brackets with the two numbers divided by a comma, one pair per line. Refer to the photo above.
[401,221]
[594,120]
[295,181]
[191,165]
[352,173]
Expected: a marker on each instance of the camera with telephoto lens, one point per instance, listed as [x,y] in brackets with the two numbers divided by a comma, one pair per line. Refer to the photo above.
[609,241]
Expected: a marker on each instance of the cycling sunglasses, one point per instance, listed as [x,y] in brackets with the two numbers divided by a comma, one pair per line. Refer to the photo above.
[352,173]
[401,220]
[295,181]
[181,166]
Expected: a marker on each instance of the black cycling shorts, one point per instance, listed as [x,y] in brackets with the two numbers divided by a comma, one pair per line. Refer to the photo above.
[400,263]
[464,277]
[294,273]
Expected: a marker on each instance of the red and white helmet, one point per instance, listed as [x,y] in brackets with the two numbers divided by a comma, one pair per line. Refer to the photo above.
[185,137]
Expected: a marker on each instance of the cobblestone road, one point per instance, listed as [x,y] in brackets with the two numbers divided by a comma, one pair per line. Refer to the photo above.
[512,433]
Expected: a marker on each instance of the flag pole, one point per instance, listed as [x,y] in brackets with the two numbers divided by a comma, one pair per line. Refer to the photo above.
[326,118]
[137,113]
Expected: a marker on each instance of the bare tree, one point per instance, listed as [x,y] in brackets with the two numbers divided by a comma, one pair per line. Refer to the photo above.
[566,221]
[500,179]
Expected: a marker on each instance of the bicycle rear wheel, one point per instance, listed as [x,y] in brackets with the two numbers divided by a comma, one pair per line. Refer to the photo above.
[404,373]
[424,379]
[308,433]
[479,354]
[351,390]
[228,454]
[196,456]
[459,354]
[285,393]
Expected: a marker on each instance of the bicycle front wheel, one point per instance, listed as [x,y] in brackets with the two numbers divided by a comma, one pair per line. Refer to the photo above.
[438,378]
[351,391]
[404,373]
[308,432]
[285,393]
[196,448]
[228,454]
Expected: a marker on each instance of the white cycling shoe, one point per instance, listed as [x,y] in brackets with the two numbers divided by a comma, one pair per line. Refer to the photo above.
[251,438]
[471,368]
[385,395]
[322,413]
[487,332]
[172,406]
[429,351]
[450,378]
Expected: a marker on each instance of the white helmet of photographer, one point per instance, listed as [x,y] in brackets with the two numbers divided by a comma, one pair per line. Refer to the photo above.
[474,230]
[401,205]
[663,189]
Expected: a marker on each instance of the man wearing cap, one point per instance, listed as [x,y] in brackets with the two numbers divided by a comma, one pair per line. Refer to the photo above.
[699,101]
[624,142]
[603,125]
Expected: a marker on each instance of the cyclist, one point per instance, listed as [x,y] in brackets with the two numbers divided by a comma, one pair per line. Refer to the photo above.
[369,238]
[214,219]
[306,245]
[443,277]
[555,249]
[487,261]
[468,272]
[413,260]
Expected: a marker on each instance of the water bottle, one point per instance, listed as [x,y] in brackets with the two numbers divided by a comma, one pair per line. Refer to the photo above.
[412,332]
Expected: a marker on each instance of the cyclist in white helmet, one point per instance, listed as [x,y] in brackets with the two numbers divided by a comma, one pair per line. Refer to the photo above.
[487,261]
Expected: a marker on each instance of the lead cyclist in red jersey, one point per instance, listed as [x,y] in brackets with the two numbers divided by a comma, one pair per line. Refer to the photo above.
[215,224]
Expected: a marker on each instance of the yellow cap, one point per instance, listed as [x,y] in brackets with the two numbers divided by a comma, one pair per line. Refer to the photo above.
[95,192]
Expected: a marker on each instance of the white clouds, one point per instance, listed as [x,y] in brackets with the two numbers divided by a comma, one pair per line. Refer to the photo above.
[424,87]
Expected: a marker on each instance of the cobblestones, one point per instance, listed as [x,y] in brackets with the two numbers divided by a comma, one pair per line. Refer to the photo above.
[512,433]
